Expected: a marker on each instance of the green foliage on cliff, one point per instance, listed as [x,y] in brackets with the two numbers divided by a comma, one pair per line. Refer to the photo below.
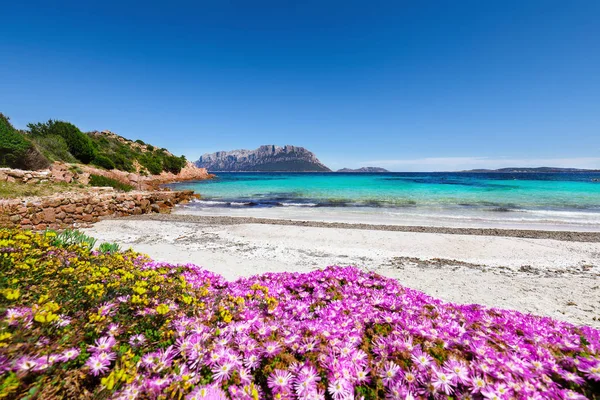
[13,146]
[79,144]
[46,142]
[173,164]
[103,161]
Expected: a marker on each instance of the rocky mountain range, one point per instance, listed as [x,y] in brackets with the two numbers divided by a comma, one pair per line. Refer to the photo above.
[536,170]
[268,158]
[364,170]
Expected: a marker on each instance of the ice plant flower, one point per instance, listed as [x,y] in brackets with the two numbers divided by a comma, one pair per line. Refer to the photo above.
[136,328]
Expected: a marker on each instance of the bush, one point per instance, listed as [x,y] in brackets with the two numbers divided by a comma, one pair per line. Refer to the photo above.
[123,163]
[55,148]
[103,181]
[103,161]
[173,164]
[152,163]
[80,145]
[139,141]
[13,145]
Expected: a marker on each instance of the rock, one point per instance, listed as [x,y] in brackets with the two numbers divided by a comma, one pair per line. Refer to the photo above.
[84,178]
[16,173]
[49,215]
[69,208]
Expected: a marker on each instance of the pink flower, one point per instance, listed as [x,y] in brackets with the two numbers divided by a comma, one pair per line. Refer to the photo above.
[97,366]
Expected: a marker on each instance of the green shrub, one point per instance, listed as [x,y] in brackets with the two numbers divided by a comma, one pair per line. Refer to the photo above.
[139,141]
[173,164]
[13,145]
[103,181]
[103,161]
[152,163]
[55,148]
[150,147]
[80,145]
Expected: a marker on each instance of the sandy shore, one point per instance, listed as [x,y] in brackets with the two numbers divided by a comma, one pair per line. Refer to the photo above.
[547,273]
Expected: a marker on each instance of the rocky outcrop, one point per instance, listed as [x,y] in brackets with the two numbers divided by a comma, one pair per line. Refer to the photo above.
[67,210]
[149,182]
[78,173]
[265,158]
[364,169]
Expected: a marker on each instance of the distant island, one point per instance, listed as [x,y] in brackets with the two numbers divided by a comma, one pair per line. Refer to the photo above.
[268,158]
[536,170]
[364,169]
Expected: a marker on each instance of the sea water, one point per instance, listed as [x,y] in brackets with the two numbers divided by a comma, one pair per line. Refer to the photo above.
[555,200]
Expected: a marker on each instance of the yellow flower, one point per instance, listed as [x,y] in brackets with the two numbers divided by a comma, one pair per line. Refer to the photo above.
[162,309]
[12,294]
[45,317]
[139,290]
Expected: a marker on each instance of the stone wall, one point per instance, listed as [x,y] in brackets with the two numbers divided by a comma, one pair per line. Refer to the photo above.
[65,210]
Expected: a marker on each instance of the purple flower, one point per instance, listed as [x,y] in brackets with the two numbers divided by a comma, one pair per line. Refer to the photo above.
[97,366]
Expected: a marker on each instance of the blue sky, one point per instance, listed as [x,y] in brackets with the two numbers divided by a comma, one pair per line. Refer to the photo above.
[422,85]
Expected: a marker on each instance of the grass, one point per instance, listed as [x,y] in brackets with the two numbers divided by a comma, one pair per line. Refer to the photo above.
[13,190]
[102,181]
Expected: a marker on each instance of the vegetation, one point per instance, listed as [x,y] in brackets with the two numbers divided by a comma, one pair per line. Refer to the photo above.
[103,161]
[103,181]
[50,141]
[71,237]
[13,145]
[13,190]
[79,144]
[79,323]
[109,248]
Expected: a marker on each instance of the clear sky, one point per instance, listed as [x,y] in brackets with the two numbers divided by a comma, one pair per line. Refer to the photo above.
[420,85]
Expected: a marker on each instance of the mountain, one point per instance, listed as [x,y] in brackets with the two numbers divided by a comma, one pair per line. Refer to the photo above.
[265,158]
[535,170]
[364,169]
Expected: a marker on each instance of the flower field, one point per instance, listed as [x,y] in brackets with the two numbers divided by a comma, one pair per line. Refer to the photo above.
[76,323]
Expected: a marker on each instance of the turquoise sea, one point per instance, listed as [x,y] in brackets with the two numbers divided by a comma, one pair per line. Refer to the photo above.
[561,198]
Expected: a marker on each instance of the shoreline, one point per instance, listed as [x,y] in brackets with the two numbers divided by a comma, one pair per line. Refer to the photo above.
[556,277]
[569,236]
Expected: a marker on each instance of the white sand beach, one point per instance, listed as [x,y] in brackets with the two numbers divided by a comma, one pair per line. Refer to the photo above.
[556,278]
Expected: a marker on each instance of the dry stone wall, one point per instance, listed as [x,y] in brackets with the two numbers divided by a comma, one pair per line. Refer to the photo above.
[65,210]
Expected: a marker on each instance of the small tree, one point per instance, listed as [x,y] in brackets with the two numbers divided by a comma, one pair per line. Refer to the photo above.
[173,164]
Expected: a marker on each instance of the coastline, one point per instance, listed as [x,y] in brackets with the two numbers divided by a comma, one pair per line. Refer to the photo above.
[572,236]
[547,273]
